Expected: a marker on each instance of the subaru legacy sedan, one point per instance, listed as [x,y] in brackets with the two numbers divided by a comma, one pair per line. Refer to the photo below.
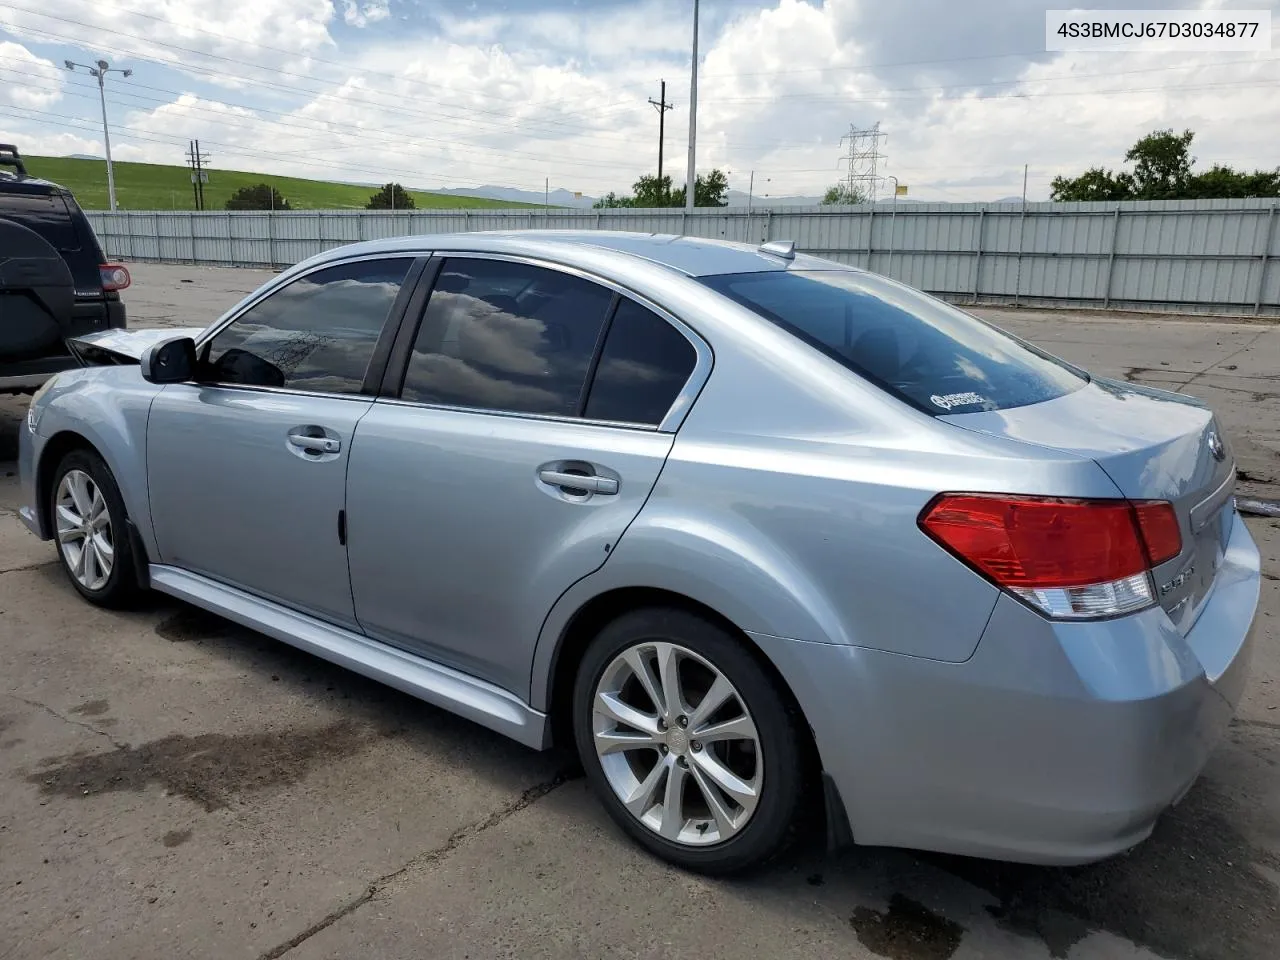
[766,538]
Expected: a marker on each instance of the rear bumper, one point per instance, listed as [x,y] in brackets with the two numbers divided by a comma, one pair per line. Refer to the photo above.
[1055,743]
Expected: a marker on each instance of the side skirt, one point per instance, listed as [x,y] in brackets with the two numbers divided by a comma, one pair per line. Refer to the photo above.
[452,690]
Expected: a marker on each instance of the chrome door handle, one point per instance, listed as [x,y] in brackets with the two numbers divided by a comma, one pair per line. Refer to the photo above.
[319,444]
[576,481]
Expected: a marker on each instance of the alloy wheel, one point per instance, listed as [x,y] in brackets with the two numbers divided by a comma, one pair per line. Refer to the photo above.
[677,744]
[85,534]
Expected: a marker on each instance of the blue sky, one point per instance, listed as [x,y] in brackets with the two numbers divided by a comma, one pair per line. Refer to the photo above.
[439,93]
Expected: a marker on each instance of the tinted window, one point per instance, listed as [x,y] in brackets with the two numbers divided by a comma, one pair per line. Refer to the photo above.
[506,336]
[317,333]
[644,364]
[920,349]
[46,215]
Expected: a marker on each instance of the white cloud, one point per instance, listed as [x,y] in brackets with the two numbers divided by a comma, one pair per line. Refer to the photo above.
[511,98]
[21,65]
[355,14]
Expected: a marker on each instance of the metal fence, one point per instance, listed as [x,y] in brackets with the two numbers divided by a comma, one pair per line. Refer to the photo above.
[1210,256]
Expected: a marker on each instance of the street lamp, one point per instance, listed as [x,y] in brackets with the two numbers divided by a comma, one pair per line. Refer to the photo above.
[691,178]
[100,71]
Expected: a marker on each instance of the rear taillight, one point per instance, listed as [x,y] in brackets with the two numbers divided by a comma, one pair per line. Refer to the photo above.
[114,276]
[1070,559]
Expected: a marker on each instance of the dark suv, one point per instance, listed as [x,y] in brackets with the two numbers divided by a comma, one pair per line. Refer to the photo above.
[41,222]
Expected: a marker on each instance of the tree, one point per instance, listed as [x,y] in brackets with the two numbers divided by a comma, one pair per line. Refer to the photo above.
[1162,170]
[843,194]
[1161,165]
[392,196]
[1094,184]
[258,197]
[709,190]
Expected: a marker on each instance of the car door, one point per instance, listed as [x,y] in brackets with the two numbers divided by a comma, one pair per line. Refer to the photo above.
[247,466]
[531,425]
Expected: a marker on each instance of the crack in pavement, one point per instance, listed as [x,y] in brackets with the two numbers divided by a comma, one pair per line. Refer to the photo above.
[456,839]
[75,723]
[1229,356]
[29,566]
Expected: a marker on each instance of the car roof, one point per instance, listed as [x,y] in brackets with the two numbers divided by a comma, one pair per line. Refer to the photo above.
[691,256]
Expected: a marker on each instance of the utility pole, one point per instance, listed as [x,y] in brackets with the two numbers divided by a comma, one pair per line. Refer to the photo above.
[100,71]
[197,160]
[691,178]
[663,107]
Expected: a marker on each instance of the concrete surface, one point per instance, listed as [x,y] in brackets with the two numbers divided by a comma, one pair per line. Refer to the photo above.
[174,786]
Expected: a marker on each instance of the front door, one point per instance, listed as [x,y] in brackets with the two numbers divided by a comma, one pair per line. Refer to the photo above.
[247,467]
[526,438]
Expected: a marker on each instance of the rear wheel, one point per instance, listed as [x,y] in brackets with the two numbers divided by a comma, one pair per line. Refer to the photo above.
[88,518]
[687,740]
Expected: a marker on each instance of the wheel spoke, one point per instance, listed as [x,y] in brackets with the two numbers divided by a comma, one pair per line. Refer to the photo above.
[724,819]
[741,792]
[86,561]
[76,485]
[673,802]
[669,671]
[611,705]
[642,798]
[103,553]
[639,665]
[619,741]
[68,516]
[70,536]
[739,728]
[721,690]
[97,507]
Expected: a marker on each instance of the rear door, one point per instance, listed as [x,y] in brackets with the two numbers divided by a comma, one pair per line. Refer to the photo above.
[536,410]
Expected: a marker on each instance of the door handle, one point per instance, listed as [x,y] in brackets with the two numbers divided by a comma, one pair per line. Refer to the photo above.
[606,486]
[319,444]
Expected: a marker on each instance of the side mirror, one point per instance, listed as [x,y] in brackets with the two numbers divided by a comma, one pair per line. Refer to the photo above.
[170,361]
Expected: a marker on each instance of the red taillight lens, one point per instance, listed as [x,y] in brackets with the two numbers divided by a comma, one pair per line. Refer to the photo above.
[1160,532]
[114,276]
[1070,558]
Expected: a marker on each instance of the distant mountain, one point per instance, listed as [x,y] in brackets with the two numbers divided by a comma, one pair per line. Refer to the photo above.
[83,156]
[738,198]
[557,198]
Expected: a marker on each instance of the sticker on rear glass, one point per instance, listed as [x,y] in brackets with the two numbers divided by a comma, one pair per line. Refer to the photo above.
[947,401]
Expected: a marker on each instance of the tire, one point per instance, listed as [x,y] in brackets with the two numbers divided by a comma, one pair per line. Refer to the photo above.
[761,756]
[83,480]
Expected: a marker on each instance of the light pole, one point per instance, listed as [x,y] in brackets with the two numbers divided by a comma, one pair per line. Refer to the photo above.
[692,178]
[100,71]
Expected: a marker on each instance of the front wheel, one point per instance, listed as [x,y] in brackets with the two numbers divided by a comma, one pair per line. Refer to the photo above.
[688,741]
[89,523]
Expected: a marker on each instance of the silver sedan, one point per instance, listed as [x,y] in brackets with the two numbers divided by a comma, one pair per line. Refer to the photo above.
[753,531]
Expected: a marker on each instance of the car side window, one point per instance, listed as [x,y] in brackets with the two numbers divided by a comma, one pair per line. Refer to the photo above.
[316,333]
[507,336]
[645,364]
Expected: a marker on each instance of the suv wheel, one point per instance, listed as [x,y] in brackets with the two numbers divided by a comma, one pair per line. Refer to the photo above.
[89,524]
[687,741]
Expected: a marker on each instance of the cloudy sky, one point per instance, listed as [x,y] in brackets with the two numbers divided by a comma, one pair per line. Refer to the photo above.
[455,93]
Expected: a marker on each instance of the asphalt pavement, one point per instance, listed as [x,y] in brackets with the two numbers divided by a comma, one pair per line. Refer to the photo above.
[172,785]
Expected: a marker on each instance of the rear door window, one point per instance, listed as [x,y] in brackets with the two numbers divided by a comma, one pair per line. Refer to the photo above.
[926,352]
[644,366]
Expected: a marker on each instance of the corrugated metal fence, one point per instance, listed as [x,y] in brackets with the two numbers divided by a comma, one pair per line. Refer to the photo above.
[1212,256]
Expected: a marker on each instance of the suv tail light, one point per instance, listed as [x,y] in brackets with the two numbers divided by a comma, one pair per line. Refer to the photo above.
[114,277]
[1070,559]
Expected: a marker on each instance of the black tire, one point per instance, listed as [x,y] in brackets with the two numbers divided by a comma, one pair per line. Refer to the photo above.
[121,586]
[771,826]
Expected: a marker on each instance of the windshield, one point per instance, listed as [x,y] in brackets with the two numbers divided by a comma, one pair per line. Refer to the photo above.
[918,348]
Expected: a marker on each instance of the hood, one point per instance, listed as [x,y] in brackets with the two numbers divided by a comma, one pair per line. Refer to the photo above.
[123,346]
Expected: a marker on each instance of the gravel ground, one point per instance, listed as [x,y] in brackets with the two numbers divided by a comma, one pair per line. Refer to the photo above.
[173,785]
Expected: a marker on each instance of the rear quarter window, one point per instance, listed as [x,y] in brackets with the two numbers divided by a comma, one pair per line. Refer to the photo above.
[926,352]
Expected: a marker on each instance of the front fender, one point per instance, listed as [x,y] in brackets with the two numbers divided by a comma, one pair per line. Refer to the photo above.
[108,407]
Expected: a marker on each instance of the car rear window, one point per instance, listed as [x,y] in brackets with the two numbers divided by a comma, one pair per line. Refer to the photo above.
[918,348]
[46,214]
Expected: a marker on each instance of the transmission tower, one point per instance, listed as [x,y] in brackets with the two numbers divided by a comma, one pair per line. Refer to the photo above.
[862,159]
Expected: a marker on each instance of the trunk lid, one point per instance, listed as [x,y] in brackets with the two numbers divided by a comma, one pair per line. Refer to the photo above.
[1154,445]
